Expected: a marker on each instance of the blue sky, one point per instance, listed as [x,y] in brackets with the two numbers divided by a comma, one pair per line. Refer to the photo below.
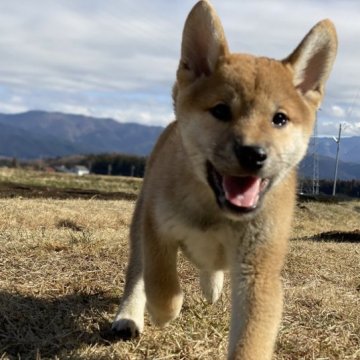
[118,58]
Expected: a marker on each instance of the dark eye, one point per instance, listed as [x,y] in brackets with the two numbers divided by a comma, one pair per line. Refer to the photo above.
[221,112]
[280,119]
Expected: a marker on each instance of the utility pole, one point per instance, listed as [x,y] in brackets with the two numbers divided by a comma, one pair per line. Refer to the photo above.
[337,140]
[315,179]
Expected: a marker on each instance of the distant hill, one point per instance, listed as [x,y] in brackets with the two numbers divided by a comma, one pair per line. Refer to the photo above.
[349,158]
[349,148]
[39,134]
[346,171]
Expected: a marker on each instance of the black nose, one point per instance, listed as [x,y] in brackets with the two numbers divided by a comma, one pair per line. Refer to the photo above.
[250,157]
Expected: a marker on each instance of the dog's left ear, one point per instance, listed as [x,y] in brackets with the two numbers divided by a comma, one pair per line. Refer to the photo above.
[312,61]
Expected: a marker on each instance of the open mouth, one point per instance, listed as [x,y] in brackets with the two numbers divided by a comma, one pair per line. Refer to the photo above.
[239,194]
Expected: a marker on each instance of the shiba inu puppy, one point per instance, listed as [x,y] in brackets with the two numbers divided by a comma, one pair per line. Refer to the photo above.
[220,182]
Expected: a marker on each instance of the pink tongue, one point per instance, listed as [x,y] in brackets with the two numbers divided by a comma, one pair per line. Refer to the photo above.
[242,191]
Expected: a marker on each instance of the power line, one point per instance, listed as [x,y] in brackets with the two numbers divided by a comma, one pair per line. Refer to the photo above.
[337,140]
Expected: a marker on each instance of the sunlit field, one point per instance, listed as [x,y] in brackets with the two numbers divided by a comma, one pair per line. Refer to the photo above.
[62,267]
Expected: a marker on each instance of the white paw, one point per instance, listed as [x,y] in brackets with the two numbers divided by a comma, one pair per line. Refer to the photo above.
[211,283]
[126,328]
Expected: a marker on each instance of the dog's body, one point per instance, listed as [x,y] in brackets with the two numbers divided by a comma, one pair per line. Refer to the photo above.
[220,183]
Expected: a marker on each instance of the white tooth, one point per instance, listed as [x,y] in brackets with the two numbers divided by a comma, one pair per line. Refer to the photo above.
[264,184]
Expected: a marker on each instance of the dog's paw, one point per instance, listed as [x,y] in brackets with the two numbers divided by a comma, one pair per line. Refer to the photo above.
[162,313]
[126,329]
[211,283]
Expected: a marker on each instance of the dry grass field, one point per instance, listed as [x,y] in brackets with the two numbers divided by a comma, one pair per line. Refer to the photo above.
[62,265]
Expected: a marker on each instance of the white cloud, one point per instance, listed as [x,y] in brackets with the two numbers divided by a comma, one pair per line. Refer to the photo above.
[351,128]
[12,108]
[142,112]
[338,111]
[119,57]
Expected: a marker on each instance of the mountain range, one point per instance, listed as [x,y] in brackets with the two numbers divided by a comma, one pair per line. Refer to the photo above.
[326,168]
[349,148]
[40,134]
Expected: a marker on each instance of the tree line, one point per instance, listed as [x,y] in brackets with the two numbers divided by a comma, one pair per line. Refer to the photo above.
[102,164]
[116,164]
[108,164]
[345,187]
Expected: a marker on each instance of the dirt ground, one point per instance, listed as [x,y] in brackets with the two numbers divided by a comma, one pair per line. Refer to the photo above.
[12,190]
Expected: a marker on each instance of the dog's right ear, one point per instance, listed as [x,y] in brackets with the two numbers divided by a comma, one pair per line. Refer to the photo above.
[203,43]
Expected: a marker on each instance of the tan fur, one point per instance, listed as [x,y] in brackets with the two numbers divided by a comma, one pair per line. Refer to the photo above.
[177,207]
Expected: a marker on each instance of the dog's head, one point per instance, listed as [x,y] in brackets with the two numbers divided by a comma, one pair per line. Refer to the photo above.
[245,121]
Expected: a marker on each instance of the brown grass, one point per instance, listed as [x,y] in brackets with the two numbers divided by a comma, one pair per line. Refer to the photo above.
[62,268]
[25,177]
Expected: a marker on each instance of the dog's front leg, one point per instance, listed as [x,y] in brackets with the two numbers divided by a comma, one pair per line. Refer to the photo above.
[162,287]
[211,283]
[129,321]
[256,306]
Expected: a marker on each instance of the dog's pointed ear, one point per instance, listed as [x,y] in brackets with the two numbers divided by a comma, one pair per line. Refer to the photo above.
[203,42]
[312,61]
